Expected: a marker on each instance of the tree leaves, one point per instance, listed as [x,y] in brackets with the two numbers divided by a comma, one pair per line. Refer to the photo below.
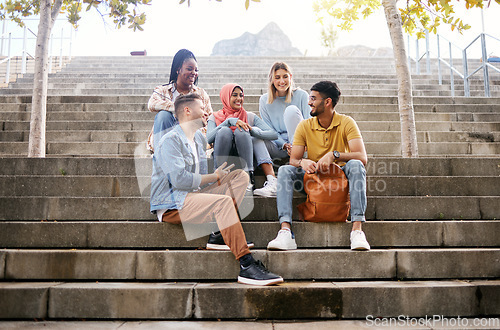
[122,12]
[417,15]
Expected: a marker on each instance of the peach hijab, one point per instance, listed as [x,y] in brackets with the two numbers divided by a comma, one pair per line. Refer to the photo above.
[227,111]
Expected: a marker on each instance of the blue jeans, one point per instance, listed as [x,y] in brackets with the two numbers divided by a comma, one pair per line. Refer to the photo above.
[292,117]
[164,121]
[291,177]
[228,143]
[260,152]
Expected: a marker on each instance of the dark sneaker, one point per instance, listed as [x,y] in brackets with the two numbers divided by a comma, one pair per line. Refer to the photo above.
[257,274]
[216,242]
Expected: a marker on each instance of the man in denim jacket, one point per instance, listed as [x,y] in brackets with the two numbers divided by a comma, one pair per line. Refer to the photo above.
[182,191]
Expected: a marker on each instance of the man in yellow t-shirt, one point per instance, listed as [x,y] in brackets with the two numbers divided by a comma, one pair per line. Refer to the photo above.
[328,137]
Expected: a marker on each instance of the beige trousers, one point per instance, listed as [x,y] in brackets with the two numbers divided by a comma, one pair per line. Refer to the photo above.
[219,201]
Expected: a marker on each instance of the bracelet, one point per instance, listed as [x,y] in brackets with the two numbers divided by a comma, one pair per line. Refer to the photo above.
[218,178]
[300,161]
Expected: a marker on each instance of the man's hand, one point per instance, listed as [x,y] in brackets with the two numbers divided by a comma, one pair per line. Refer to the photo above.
[288,147]
[308,165]
[222,170]
[325,162]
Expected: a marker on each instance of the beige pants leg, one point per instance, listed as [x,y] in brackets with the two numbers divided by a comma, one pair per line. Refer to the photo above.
[217,201]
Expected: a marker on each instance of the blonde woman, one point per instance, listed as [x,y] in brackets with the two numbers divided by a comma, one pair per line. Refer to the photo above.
[283,107]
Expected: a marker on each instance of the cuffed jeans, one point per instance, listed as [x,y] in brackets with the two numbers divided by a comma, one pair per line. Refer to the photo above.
[291,178]
[260,152]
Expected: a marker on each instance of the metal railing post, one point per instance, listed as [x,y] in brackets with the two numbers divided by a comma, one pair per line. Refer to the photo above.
[440,75]
[61,50]
[417,56]
[7,70]
[24,53]
[70,42]
[427,51]
[2,41]
[452,81]
[466,74]
[485,66]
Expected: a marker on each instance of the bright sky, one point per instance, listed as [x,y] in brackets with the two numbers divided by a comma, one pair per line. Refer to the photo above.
[171,26]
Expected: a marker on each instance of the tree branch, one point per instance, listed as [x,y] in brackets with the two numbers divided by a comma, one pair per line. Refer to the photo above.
[56,8]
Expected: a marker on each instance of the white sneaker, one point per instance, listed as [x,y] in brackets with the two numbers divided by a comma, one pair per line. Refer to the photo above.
[284,241]
[250,187]
[269,188]
[358,241]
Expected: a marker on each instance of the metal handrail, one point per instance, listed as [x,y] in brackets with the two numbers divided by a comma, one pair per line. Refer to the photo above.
[24,53]
[453,69]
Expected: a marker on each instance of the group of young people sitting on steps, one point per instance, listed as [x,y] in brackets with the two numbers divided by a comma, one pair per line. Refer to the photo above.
[292,124]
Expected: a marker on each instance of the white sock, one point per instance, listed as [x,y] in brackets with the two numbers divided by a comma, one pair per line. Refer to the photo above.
[269,177]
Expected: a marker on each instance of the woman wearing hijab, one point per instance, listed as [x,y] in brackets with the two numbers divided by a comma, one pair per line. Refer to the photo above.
[183,80]
[236,132]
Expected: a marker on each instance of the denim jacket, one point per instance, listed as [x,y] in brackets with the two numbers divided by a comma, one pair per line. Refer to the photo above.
[173,174]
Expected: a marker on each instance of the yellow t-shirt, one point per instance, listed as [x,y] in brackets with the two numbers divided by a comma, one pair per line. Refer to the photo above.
[320,141]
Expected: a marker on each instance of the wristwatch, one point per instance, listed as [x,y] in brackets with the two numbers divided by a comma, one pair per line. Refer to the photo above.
[336,154]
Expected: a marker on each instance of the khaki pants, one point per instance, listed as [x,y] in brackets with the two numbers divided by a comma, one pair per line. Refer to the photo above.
[219,202]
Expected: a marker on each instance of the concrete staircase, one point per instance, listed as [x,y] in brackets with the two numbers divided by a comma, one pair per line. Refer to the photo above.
[78,241]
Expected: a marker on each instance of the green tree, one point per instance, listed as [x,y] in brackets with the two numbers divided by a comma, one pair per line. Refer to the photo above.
[414,16]
[122,12]
[329,37]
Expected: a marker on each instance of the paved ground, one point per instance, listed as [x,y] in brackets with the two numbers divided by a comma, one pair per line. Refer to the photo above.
[398,323]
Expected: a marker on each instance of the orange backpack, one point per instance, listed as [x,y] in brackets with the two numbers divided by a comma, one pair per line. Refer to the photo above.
[327,196]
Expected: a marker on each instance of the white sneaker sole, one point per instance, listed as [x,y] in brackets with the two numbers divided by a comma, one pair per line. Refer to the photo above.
[244,280]
[263,194]
[219,247]
[360,248]
[281,248]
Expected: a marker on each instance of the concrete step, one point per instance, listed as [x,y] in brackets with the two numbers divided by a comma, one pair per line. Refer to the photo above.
[192,300]
[139,114]
[140,167]
[156,235]
[146,91]
[138,149]
[137,208]
[252,87]
[140,136]
[129,186]
[171,265]
[345,99]
[249,79]
[131,125]
[434,149]
[464,112]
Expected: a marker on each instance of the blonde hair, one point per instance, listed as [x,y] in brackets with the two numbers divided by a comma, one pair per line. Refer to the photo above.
[272,92]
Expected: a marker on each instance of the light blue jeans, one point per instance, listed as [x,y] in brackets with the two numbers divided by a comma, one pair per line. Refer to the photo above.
[260,152]
[240,143]
[292,117]
[164,121]
[291,178]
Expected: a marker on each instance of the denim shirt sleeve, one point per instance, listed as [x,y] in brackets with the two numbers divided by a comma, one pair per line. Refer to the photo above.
[177,161]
